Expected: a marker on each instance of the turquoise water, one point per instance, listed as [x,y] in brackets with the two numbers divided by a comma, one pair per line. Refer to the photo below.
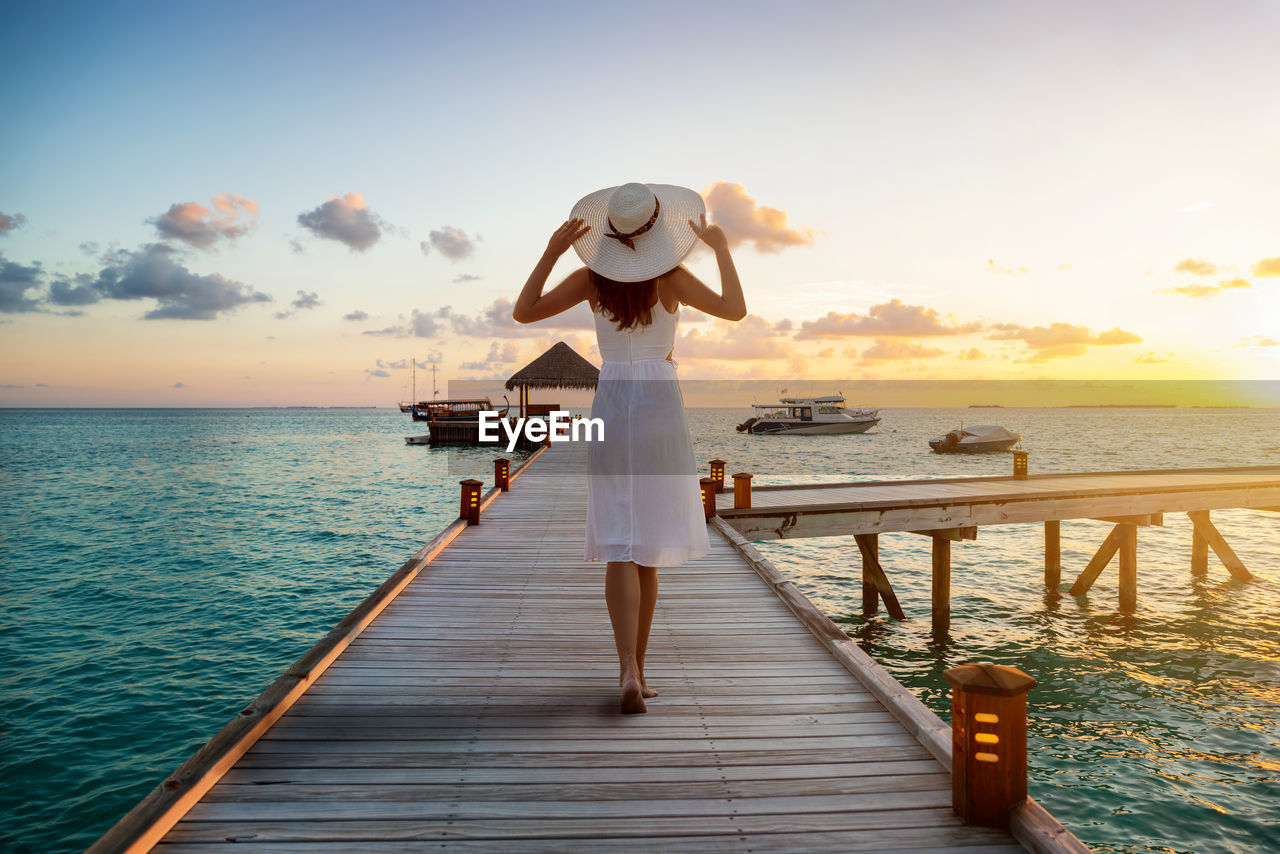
[161,567]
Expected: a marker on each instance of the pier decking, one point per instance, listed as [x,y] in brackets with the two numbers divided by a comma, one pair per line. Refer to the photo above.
[473,706]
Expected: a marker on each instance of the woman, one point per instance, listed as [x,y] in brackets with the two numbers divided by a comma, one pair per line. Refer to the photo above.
[644,508]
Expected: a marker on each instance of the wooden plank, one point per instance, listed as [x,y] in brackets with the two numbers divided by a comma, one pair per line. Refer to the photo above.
[1097,563]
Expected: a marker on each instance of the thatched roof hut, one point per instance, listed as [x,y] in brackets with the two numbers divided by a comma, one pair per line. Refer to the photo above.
[559,367]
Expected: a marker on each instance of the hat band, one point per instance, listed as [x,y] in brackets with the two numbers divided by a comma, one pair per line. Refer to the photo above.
[627,239]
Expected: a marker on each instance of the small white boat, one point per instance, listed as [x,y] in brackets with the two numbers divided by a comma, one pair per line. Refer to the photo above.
[975,440]
[417,440]
[809,416]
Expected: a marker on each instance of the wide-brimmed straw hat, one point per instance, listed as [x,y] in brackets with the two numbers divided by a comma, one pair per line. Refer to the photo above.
[638,231]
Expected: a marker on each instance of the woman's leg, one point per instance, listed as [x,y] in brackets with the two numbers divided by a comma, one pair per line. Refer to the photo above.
[622,596]
[648,601]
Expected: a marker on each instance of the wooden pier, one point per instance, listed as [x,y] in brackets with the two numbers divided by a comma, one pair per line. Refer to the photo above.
[953,509]
[471,704]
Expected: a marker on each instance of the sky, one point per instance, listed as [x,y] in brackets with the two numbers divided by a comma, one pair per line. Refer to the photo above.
[244,204]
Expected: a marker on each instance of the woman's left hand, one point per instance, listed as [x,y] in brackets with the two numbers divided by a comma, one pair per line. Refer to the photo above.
[565,236]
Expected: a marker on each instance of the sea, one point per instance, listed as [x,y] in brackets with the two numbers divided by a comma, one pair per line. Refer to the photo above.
[159,568]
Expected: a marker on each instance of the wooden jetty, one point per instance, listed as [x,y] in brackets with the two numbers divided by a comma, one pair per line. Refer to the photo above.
[953,509]
[471,704]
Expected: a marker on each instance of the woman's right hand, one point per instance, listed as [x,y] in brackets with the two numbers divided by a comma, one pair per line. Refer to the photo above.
[712,235]
[565,236]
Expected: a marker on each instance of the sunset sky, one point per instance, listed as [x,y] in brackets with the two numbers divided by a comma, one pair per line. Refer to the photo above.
[283,203]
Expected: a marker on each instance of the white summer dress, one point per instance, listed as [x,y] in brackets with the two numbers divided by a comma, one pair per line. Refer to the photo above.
[643,499]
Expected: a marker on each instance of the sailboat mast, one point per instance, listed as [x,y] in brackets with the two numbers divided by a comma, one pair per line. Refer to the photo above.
[434,391]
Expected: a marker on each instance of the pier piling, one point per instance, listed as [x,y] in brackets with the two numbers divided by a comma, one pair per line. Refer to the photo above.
[1052,554]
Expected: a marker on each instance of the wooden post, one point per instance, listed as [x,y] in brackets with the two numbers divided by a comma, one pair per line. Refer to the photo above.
[708,487]
[870,548]
[717,474]
[1199,552]
[502,474]
[742,491]
[1128,566]
[1019,465]
[1205,528]
[988,741]
[870,596]
[471,500]
[1052,554]
[1097,563]
[941,584]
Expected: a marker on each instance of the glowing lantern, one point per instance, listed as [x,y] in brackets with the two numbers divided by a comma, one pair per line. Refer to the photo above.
[717,474]
[1020,465]
[502,474]
[471,500]
[708,487]
[988,741]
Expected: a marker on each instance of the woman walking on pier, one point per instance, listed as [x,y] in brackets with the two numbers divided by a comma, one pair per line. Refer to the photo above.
[644,508]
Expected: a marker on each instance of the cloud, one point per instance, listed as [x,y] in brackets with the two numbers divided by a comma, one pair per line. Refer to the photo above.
[465,277]
[744,221]
[346,219]
[1151,359]
[421,325]
[1257,341]
[232,216]
[993,267]
[75,290]
[886,320]
[304,302]
[450,242]
[753,337]
[1059,340]
[895,349]
[296,246]
[15,280]
[1201,291]
[356,315]
[381,374]
[178,385]
[500,353]
[152,272]
[495,321]
[973,354]
[90,248]
[1267,267]
[11,222]
[1196,267]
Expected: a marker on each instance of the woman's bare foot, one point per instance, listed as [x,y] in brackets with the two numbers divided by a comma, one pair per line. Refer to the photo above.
[632,696]
[649,693]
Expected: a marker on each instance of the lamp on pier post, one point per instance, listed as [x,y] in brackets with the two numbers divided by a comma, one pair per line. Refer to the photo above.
[502,474]
[1019,465]
[988,741]
[708,487]
[717,474]
[471,500]
[742,491]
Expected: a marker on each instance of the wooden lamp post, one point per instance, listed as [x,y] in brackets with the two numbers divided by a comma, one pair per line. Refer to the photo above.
[717,474]
[471,500]
[1019,465]
[708,487]
[502,474]
[988,741]
[742,491]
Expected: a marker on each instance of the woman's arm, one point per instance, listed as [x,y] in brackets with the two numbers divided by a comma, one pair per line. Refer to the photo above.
[729,304]
[532,305]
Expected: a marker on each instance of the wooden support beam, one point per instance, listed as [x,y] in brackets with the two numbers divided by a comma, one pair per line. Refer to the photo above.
[1052,554]
[941,584]
[1097,563]
[969,532]
[1199,553]
[871,564]
[870,596]
[1143,519]
[1128,566]
[1205,528]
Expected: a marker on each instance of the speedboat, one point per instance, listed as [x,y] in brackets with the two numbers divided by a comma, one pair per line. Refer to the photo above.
[417,440]
[809,416]
[975,440]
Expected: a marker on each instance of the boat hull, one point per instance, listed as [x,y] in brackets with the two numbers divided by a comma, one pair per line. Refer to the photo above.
[777,428]
[974,447]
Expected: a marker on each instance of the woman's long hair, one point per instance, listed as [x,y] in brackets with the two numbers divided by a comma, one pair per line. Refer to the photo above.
[628,304]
